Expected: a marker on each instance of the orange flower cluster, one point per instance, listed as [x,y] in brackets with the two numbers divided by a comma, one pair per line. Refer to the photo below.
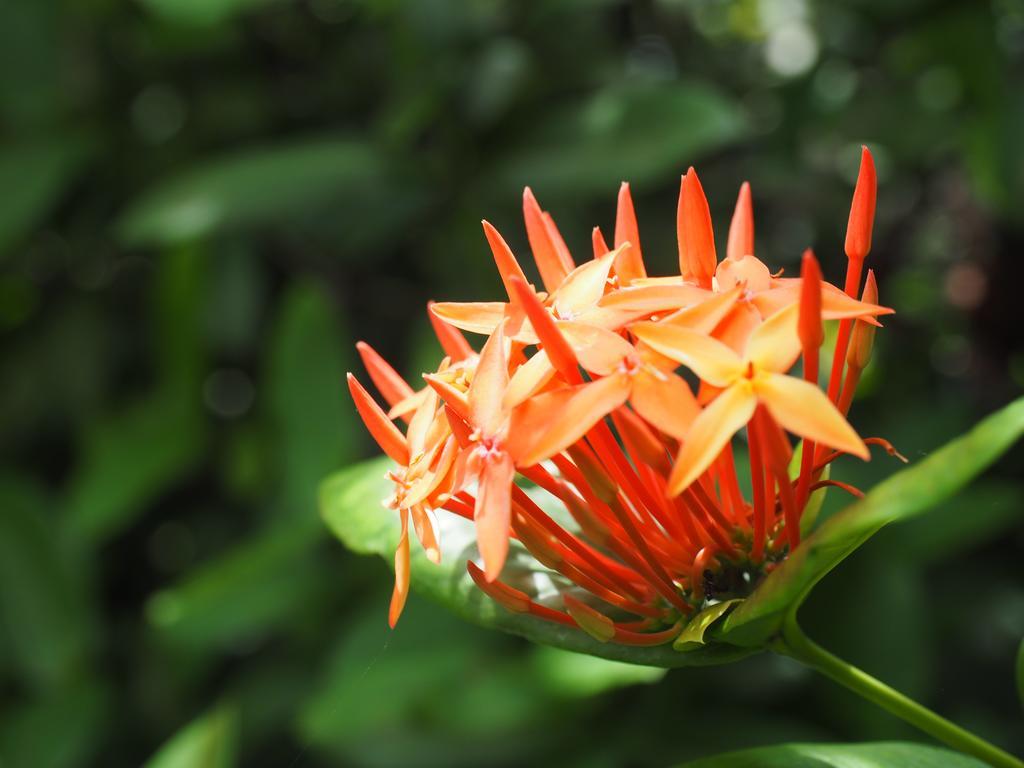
[577,391]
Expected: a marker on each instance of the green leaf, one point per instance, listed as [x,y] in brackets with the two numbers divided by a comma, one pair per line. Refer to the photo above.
[63,729]
[576,675]
[310,350]
[252,188]
[201,12]
[643,134]
[44,610]
[877,755]
[693,634]
[351,506]
[243,593]
[209,742]
[1020,672]
[904,495]
[32,178]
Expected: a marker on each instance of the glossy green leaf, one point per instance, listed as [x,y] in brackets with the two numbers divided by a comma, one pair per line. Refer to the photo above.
[877,755]
[904,495]
[577,675]
[693,633]
[351,506]
[643,134]
[252,188]
[208,742]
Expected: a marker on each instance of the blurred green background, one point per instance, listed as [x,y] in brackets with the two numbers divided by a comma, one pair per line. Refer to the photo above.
[204,203]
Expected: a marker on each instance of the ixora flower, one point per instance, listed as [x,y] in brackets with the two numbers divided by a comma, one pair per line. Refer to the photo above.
[630,465]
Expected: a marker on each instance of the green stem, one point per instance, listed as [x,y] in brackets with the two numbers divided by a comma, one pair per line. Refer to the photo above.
[796,644]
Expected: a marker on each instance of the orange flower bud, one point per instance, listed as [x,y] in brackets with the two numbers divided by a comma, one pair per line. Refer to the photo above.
[862,210]
[697,258]
[809,327]
[859,353]
[741,230]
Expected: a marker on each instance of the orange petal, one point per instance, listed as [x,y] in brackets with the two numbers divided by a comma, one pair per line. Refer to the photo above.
[747,271]
[583,287]
[710,433]
[803,409]
[836,305]
[630,265]
[550,337]
[666,401]
[419,426]
[507,265]
[655,298]
[710,359]
[552,268]
[811,333]
[598,350]
[741,229]
[493,511]
[401,590]
[488,387]
[705,316]
[551,422]
[452,342]
[390,440]
[528,379]
[426,533]
[473,316]
[391,386]
[697,259]
[862,211]
[453,398]
[775,344]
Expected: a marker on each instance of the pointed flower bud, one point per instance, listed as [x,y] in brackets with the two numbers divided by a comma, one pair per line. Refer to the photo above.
[863,339]
[809,326]
[862,211]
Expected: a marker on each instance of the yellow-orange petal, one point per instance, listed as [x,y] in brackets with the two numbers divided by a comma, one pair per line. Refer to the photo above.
[528,379]
[473,316]
[741,229]
[803,409]
[390,440]
[737,326]
[697,258]
[426,532]
[549,263]
[775,344]
[488,387]
[558,349]
[550,422]
[710,433]
[666,401]
[630,264]
[862,210]
[583,287]
[710,359]
[705,316]
[401,590]
[746,271]
[656,298]
[506,262]
[493,510]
